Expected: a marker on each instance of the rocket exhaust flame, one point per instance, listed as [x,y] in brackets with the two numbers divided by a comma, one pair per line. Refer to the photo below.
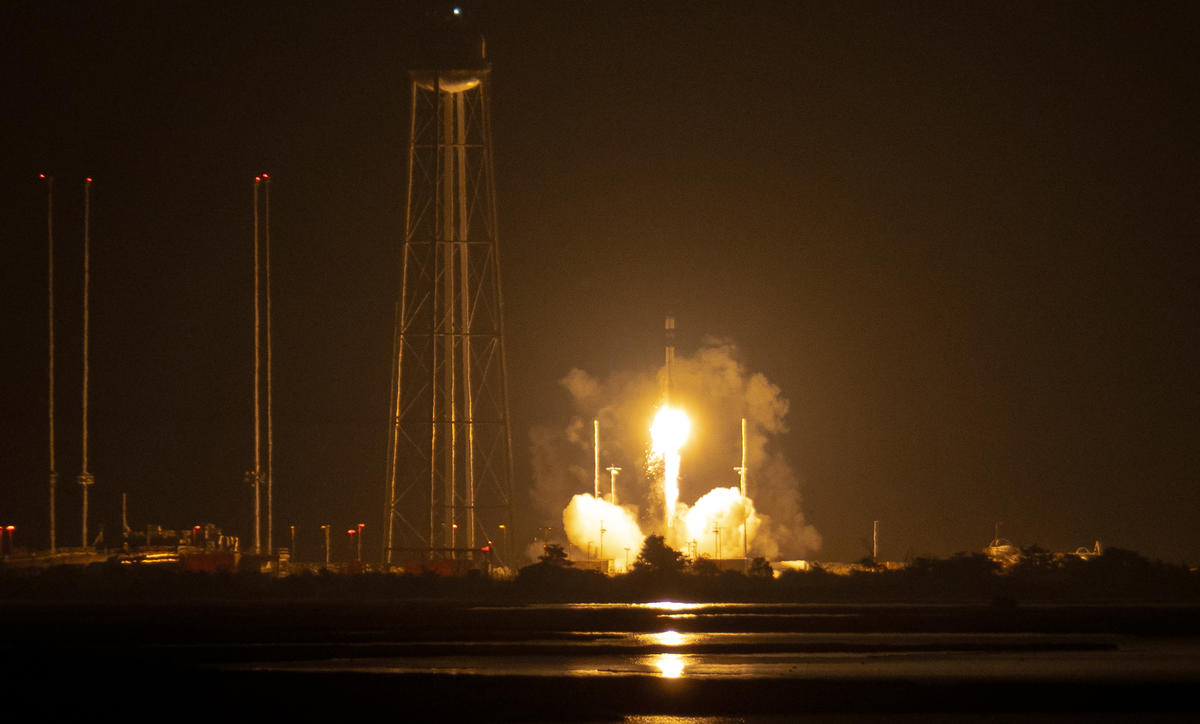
[668,433]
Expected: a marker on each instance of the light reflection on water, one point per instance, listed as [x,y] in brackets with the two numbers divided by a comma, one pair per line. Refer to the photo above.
[653,606]
[1149,663]
[787,652]
[780,655]
[738,608]
[669,638]
[671,665]
[673,605]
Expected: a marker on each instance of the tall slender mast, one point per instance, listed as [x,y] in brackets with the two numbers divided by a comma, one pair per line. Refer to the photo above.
[50,315]
[270,419]
[741,471]
[257,384]
[612,483]
[85,478]
[596,456]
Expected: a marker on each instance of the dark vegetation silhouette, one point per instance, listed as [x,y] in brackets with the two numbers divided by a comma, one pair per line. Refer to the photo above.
[553,577]
[704,566]
[760,568]
[554,555]
[659,573]
[658,559]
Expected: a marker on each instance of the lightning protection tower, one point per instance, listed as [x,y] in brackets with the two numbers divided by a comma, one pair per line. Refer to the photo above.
[449,466]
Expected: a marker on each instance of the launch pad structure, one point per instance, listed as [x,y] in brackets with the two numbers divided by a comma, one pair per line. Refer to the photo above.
[449,456]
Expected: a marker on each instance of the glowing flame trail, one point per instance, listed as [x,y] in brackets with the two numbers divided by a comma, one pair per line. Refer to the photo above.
[668,433]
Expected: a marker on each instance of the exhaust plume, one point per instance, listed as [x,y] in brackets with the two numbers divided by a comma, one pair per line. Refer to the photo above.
[585,517]
[668,433]
[726,510]
[716,391]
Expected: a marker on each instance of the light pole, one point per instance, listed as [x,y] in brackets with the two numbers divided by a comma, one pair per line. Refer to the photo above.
[326,529]
[741,471]
[612,483]
[258,477]
[50,289]
[596,452]
[85,478]
[292,550]
[504,542]
[358,556]
[270,420]
[11,530]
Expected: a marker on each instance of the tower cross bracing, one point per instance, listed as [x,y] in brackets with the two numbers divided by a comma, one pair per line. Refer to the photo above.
[449,467]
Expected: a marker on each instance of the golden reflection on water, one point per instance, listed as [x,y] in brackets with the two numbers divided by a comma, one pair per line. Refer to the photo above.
[669,638]
[673,605]
[669,665]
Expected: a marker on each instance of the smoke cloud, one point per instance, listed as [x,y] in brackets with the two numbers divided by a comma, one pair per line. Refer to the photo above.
[716,391]
[723,509]
[585,518]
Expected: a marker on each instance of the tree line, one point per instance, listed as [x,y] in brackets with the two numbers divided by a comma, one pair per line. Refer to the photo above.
[659,573]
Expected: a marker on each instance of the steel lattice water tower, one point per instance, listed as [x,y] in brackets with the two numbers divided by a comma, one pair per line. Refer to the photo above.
[449,467]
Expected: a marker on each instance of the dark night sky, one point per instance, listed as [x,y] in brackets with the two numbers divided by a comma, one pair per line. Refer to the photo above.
[958,236]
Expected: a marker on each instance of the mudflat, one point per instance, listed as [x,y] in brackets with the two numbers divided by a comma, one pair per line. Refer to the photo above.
[439,660]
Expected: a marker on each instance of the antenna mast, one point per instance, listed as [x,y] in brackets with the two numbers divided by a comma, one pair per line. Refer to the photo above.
[270,417]
[50,315]
[612,483]
[257,473]
[741,471]
[85,478]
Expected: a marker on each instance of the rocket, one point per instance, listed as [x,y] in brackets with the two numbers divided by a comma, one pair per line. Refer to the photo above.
[669,339]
